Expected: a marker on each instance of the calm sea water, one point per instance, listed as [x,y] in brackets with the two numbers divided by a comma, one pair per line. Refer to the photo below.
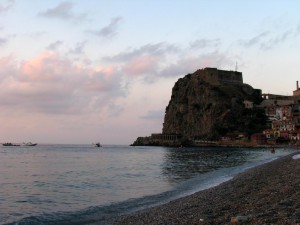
[79,184]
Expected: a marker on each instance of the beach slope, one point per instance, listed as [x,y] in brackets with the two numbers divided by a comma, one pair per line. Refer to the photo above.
[268,194]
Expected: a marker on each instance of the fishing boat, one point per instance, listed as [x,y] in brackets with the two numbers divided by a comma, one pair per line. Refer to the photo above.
[30,144]
[10,144]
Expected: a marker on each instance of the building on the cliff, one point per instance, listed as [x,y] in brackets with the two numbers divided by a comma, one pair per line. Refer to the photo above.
[218,77]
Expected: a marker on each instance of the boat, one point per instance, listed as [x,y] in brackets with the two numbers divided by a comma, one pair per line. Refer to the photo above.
[10,144]
[98,145]
[30,144]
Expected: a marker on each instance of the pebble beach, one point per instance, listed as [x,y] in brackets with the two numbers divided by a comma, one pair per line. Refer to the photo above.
[267,194]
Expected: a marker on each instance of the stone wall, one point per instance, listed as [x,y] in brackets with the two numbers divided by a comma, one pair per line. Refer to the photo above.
[219,77]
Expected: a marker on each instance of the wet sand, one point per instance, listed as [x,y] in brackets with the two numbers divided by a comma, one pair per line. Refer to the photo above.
[268,194]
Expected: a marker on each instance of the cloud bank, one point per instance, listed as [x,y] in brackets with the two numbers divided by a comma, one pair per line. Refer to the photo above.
[52,84]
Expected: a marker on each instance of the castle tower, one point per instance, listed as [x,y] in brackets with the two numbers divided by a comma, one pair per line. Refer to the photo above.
[297,91]
[219,77]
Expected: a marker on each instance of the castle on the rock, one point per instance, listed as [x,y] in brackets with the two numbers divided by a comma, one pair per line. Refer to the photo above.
[282,113]
[218,77]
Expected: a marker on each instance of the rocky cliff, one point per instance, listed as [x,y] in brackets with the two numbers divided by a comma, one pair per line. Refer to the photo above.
[203,109]
[199,109]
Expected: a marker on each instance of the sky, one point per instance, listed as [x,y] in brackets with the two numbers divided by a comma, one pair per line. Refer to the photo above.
[78,72]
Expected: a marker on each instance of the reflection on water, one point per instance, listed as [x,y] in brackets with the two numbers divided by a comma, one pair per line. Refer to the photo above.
[184,163]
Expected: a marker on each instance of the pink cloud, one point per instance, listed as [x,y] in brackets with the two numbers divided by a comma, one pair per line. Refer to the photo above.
[103,79]
[49,66]
[36,68]
[50,83]
[141,65]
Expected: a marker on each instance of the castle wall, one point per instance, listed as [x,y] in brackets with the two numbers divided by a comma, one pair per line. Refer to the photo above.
[210,76]
[296,93]
[218,77]
[230,77]
[277,97]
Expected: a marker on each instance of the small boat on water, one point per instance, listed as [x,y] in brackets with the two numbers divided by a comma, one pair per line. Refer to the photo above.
[98,145]
[30,144]
[10,144]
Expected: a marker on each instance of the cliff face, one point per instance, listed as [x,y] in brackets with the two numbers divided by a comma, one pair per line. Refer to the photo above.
[200,109]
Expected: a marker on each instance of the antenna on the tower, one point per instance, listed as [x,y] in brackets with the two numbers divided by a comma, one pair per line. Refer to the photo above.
[236,66]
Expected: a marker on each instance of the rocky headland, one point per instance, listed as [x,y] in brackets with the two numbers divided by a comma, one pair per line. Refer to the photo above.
[207,106]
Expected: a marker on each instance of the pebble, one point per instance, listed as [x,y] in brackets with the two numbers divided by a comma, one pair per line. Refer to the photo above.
[238,219]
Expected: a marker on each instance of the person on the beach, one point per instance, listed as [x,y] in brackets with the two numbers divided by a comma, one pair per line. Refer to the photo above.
[273,150]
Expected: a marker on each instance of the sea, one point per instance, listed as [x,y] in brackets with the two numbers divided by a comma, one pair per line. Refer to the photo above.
[81,184]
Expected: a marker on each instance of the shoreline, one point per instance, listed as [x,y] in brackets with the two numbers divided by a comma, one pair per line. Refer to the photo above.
[266,194]
[224,145]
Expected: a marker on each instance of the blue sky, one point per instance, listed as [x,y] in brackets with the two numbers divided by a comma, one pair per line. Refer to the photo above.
[84,71]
